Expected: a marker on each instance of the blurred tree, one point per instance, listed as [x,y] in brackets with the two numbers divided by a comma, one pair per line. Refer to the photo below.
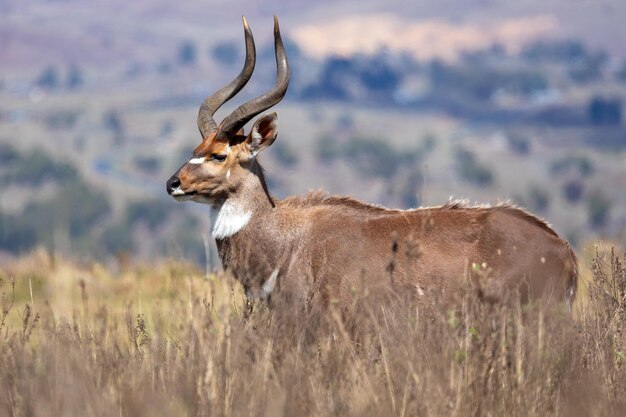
[604,111]
[579,164]
[49,78]
[337,74]
[147,164]
[187,53]
[327,149]
[35,168]
[378,76]
[621,73]
[113,122]
[75,207]
[573,190]
[183,243]
[16,235]
[371,157]
[481,81]
[164,67]
[591,68]
[74,78]
[598,209]
[167,127]
[61,119]
[154,213]
[285,154]
[518,144]
[8,154]
[344,122]
[565,51]
[226,53]
[471,170]
[539,199]
[408,187]
[117,238]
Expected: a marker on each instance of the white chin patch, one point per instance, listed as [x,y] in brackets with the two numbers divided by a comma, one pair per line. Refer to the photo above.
[228,219]
[177,192]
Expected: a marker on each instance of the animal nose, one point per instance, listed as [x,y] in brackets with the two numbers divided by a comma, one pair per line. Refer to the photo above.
[172,183]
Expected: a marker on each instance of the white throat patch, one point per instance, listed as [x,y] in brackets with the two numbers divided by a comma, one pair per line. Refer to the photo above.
[228,219]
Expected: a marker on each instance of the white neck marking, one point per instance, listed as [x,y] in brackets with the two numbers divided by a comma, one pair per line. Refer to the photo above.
[228,219]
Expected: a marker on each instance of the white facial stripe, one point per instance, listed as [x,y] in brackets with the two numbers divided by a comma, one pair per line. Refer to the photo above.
[229,219]
[196,161]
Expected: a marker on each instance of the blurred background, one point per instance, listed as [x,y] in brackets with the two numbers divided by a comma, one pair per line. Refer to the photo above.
[400,103]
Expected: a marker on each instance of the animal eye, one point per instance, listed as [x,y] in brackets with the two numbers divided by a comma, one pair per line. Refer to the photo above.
[218,157]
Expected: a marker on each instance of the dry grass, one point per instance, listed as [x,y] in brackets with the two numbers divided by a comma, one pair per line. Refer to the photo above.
[81,340]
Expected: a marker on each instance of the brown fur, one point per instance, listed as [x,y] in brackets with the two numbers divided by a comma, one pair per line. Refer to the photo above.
[325,247]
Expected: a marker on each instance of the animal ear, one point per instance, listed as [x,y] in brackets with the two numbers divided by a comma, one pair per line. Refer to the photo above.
[263,134]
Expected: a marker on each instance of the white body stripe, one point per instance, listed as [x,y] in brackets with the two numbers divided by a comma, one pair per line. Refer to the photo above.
[265,290]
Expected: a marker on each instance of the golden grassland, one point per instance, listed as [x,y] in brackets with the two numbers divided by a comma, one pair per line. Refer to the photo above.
[164,339]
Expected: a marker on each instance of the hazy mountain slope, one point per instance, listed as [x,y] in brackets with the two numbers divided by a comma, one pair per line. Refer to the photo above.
[101,33]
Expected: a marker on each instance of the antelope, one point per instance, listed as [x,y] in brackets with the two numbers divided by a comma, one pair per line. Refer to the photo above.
[321,247]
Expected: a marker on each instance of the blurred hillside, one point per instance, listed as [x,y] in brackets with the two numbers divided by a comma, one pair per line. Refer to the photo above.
[507,102]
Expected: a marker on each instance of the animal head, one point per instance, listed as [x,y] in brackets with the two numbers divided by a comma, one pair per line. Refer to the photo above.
[225,157]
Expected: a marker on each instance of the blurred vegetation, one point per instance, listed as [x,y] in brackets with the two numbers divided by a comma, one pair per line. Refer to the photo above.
[285,154]
[538,199]
[573,190]
[163,339]
[113,122]
[480,82]
[49,78]
[605,111]
[344,78]
[62,119]
[75,211]
[599,208]
[371,157]
[187,53]
[75,208]
[147,164]
[185,240]
[470,169]
[566,51]
[518,143]
[572,164]
[32,168]
[226,53]
[74,79]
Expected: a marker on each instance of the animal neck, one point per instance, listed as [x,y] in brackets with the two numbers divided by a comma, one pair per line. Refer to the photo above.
[245,231]
[248,205]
